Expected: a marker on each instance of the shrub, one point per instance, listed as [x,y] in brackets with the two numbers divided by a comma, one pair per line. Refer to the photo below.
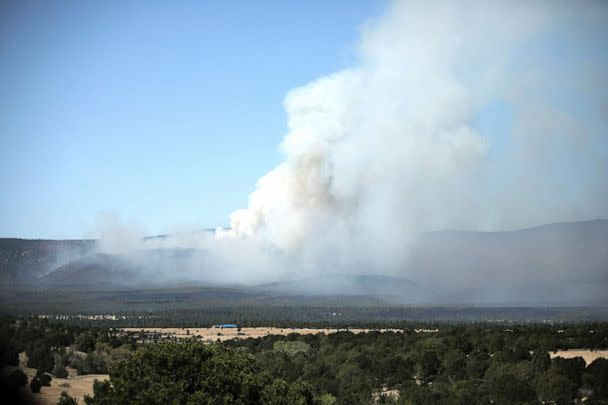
[65,399]
[16,378]
[597,378]
[59,371]
[39,356]
[43,378]
[191,373]
[35,385]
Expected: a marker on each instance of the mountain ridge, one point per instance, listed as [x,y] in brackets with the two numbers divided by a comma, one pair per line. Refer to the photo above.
[529,265]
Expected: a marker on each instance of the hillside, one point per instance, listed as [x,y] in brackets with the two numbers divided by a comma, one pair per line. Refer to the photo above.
[557,264]
[24,260]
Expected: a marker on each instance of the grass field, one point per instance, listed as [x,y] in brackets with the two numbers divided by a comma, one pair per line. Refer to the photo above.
[222,334]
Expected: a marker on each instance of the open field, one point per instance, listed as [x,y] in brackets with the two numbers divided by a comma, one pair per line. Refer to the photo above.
[213,334]
[76,386]
[587,355]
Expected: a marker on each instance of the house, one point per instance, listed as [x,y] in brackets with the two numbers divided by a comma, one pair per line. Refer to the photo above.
[225,326]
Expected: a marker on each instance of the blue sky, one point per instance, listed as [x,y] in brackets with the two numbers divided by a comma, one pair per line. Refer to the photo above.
[164,115]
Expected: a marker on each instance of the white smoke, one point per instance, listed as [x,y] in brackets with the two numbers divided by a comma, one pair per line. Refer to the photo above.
[380,152]
[390,148]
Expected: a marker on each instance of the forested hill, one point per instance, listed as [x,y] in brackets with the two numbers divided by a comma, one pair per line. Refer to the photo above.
[24,260]
[520,267]
[528,265]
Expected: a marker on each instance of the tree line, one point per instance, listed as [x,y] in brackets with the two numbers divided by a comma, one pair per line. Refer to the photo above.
[473,363]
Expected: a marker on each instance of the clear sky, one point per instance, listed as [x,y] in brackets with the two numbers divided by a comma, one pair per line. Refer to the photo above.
[162,114]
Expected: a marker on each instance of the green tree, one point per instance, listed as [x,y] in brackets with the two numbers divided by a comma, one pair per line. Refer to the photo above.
[596,377]
[291,348]
[16,378]
[477,364]
[573,368]
[540,360]
[43,378]
[85,342]
[191,373]
[280,392]
[35,385]
[9,355]
[325,399]
[505,388]
[59,370]
[429,365]
[454,365]
[554,386]
[65,399]
[39,356]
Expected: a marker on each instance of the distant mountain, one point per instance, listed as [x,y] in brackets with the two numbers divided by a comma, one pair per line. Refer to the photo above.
[24,260]
[557,264]
[94,270]
[140,268]
[372,285]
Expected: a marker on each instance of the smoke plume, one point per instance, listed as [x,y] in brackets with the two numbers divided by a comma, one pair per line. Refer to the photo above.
[395,147]
[390,148]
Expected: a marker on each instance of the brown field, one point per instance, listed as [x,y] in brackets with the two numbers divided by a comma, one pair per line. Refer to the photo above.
[213,334]
[587,355]
[76,386]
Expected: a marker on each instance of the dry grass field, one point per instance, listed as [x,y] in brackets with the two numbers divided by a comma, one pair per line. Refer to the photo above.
[587,355]
[76,386]
[213,334]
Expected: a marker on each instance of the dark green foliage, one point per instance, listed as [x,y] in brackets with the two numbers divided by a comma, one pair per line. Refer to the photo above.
[43,378]
[35,385]
[193,373]
[508,389]
[9,355]
[459,364]
[573,368]
[440,393]
[103,394]
[280,392]
[477,364]
[65,399]
[16,378]
[470,392]
[554,386]
[39,356]
[596,377]
[541,360]
[85,342]
[455,365]
[429,365]
[94,362]
[59,370]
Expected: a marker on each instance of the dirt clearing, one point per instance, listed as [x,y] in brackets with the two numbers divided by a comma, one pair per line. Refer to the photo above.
[587,355]
[213,334]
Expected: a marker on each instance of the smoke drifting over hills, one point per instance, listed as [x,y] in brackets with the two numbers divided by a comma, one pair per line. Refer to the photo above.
[390,148]
[393,147]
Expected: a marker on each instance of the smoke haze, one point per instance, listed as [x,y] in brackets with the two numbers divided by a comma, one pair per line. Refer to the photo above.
[393,147]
